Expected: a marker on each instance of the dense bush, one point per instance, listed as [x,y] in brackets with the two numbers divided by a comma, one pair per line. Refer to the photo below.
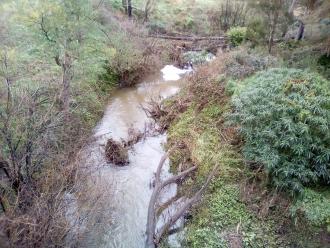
[315,207]
[284,117]
[256,31]
[237,35]
[243,63]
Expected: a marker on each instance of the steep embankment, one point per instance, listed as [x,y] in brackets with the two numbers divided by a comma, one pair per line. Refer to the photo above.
[239,209]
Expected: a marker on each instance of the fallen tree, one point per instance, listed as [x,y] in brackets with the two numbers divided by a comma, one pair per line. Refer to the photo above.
[155,236]
[188,38]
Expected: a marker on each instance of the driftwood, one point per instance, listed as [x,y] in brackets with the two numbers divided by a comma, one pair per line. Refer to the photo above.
[187,38]
[116,153]
[154,237]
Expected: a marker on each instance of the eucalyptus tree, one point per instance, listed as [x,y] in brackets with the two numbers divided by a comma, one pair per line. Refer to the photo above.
[67,33]
[276,14]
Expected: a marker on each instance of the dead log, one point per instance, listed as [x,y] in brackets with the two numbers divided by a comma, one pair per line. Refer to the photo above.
[116,153]
[181,211]
[187,38]
[154,237]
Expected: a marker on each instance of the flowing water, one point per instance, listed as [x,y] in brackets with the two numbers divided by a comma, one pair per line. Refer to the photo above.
[129,186]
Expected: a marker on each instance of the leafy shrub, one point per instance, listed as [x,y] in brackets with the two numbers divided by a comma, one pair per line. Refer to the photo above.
[315,207]
[284,117]
[305,57]
[242,63]
[206,237]
[156,27]
[256,31]
[237,35]
[197,57]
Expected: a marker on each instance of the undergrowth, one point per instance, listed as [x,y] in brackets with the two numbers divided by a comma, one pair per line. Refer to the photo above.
[238,210]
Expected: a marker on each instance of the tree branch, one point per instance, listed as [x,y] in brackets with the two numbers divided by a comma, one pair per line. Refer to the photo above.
[185,207]
[44,30]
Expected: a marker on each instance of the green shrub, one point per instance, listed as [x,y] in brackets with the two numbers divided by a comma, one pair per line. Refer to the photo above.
[284,117]
[315,207]
[244,63]
[256,31]
[237,35]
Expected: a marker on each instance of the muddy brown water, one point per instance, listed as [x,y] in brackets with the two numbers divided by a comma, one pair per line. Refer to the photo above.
[129,188]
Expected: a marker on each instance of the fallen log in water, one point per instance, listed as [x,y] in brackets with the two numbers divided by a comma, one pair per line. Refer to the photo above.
[154,237]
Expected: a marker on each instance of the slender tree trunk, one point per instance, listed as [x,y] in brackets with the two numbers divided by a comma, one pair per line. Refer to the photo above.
[28,147]
[146,10]
[300,33]
[272,32]
[66,89]
[129,8]
[293,3]
[67,75]
[124,4]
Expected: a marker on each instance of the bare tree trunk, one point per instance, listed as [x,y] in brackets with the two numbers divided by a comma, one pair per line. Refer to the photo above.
[154,238]
[124,4]
[300,33]
[67,75]
[66,88]
[272,31]
[129,8]
[147,9]
[293,3]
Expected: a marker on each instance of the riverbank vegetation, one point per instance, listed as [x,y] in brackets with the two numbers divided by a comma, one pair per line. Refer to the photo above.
[259,113]
[59,61]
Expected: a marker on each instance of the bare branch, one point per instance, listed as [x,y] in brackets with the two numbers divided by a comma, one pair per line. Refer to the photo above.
[178,214]
[44,30]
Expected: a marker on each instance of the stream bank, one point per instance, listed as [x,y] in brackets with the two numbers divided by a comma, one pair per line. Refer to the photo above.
[239,208]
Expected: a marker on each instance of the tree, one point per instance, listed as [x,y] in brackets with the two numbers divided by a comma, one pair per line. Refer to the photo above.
[129,8]
[68,34]
[50,52]
[27,113]
[149,5]
[275,14]
[127,5]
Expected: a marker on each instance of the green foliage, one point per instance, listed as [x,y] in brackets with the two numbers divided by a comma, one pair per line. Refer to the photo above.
[222,215]
[283,116]
[205,237]
[244,63]
[256,31]
[197,57]
[315,207]
[324,61]
[302,56]
[156,27]
[222,211]
[237,35]
[126,61]
[108,79]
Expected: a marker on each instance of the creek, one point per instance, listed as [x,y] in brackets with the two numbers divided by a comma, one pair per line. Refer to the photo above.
[129,187]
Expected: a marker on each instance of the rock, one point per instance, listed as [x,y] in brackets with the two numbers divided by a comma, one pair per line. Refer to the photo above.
[295,31]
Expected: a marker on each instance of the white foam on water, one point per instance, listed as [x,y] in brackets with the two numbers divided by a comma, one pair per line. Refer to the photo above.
[172,73]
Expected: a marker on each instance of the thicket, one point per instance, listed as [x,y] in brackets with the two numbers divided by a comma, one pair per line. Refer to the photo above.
[283,116]
[51,56]
[237,35]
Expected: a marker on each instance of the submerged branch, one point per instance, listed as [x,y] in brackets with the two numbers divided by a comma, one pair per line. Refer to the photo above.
[154,237]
